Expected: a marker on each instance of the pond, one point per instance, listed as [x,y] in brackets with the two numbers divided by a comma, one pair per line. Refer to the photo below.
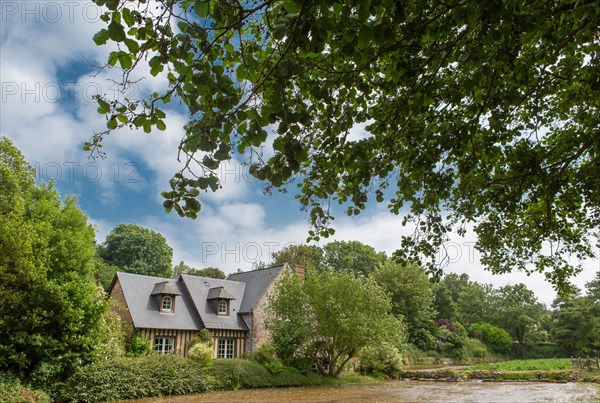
[407,391]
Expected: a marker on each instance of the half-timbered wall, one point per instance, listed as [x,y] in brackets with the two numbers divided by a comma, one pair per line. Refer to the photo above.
[182,338]
[239,337]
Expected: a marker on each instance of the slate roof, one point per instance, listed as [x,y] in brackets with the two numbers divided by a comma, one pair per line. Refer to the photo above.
[198,289]
[144,307]
[256,282]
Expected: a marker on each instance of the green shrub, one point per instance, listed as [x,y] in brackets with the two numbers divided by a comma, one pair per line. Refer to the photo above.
[203,336]
[11,390]
[139,345]
[265,356]
[247,374]
[382,359]
[137,377]
[475,348]
[449,344]
[497,338]
[201,354]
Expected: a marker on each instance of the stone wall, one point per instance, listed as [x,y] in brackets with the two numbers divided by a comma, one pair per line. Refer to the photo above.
[120,308]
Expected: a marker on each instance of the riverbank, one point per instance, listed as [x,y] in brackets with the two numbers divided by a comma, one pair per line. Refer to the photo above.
[464,373]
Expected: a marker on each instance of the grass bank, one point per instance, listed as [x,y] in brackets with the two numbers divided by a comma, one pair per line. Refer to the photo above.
[548,370]
[11,390]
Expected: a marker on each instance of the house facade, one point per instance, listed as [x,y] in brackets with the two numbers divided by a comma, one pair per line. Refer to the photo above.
[170,312]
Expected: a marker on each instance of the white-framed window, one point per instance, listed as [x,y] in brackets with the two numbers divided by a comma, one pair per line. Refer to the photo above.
[223,307]
[226,348]
[166,304]
[164,345]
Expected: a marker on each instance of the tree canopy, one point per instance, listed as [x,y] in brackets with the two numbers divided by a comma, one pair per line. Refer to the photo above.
[412,299]
[331,317]
[136,249]
[52,312]
[481,114]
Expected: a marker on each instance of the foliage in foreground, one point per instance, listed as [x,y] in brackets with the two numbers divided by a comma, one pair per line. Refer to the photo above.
[476,112]
[161,375]
[11,390]
[52,315]
[130,378]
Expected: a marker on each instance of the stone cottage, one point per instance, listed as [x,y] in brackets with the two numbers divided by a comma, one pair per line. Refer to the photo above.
[170,312]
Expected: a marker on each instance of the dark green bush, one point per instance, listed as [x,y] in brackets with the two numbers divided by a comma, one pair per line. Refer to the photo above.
[497,338]
[381,359]
[248,374]
[139,345]
[130,378]
[265,356]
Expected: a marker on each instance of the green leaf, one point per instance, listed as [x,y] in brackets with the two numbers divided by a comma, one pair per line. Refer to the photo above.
[160,125]
[116,32]
[101,37]
[202,8]
[125,60]
[132,45]
[103,107]
[291,6]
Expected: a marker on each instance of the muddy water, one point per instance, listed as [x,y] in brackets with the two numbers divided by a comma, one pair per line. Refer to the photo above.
[407,391]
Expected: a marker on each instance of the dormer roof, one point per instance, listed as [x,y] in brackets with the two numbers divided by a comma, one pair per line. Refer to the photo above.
[219,293]
[164,287]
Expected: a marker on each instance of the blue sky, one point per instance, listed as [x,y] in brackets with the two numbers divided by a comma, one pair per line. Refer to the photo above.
[48,78]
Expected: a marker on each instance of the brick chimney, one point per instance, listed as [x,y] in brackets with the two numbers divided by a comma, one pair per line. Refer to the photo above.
[299,269]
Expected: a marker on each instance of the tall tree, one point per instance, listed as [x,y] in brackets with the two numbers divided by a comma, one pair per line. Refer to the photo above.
[309,256]
[477,303]
[412,299]
[136,249]
[481,113]
[333,316]
[518,311]
[576,320]
[444,305]
[51,308]
[352,256]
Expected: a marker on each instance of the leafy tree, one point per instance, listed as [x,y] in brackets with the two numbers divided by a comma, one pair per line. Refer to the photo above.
[352,256]
[52,312]
[456,283]
[136,249]
[104,273]
[443,303]
[576,321]
[518,311]
[212,272]
[482,113]
[309,256]
[412,299]
[477,303]
[335,314]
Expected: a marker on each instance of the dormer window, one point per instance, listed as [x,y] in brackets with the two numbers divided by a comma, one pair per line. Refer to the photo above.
[167,304]
[223,307]
[164,295]
[220,300]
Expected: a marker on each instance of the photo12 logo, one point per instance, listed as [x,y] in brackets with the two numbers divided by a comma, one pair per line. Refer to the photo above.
[52,12]
[93,172]
[250,252]
[54,92]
